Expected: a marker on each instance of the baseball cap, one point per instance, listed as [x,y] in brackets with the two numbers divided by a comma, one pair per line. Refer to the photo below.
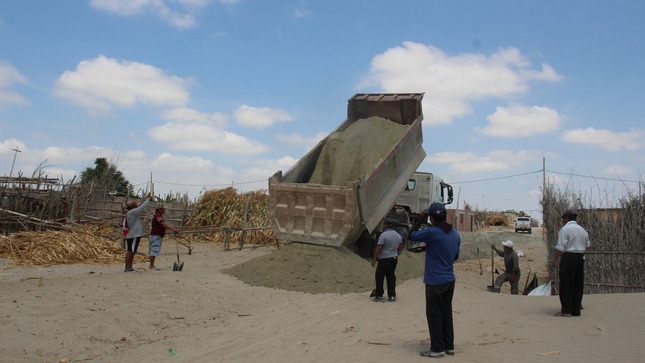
[508,244]
[569,213]
[435,209]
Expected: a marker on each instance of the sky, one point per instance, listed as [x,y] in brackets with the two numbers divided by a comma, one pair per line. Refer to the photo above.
[206,94]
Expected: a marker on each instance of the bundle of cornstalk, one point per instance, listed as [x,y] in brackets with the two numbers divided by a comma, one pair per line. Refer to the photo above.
[235,218]
[79,244]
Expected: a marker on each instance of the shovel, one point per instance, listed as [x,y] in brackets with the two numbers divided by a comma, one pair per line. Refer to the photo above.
[481,271]
[492,272]
[177,266]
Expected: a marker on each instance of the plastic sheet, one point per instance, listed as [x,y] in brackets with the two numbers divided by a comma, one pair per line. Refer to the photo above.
[542,290]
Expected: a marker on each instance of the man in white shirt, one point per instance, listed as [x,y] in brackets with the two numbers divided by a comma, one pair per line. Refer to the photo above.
[573,240]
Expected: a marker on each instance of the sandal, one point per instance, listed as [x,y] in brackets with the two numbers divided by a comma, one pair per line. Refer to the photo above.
[561,314]
[431,354]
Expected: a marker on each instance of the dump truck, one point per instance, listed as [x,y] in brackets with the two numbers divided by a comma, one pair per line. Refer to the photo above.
[311,203]
[326,212]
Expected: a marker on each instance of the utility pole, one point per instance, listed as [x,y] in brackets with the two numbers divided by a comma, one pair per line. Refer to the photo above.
[544,192]
[14,162]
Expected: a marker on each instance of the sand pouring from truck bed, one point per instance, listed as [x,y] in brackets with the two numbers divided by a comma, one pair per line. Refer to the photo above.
[356,151]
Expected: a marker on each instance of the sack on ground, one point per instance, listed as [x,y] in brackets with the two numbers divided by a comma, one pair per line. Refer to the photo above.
[542,290]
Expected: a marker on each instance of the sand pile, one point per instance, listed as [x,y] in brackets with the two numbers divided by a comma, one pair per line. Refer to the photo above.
[319,269]
[356,151]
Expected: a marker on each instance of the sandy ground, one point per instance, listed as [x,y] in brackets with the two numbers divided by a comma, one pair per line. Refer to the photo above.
[81,313]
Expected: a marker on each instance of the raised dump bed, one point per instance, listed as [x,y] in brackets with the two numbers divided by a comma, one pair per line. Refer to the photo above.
[351,179]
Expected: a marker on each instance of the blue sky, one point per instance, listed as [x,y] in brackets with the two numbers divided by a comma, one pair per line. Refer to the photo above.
[206,93]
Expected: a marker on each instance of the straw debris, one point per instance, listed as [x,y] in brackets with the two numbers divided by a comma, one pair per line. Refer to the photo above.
[79,244]
[225,211]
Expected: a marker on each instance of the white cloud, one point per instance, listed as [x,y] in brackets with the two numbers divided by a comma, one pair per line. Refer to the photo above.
[8,76]
[52,157]
[616,169]
[181,163]
[606,139]
[266,168]
[298,140]
[201,137]
[52,154]
[560,180]
[262,117]
[191,115]
[452,82]
[302,10]
[124,7]
[181,14]
[468,162]
[102,83]
[7,146]
[520,120]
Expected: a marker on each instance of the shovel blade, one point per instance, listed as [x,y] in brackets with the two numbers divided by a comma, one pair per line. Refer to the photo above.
[177,266]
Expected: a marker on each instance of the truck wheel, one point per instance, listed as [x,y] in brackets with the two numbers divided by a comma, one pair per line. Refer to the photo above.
[530,231]
[515,230]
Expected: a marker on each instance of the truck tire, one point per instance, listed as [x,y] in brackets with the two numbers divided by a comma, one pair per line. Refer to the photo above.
[530,231]
[516,230]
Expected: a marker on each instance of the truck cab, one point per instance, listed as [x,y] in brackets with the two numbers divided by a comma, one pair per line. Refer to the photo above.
[422,189]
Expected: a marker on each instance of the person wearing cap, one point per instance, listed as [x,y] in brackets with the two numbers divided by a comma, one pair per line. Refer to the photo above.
[157,233]
[442,250]
[389,246]
[135,230]
[573,241]
[512,266]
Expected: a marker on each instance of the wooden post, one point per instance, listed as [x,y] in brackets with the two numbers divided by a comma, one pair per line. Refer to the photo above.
[226,234]
[246,217]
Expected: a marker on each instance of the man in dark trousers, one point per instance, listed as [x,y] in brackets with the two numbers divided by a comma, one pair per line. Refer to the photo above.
[512,266]
[442,250]
[573,241]
[389,246]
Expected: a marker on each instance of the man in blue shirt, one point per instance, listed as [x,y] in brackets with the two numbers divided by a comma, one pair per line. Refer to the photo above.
[442,250]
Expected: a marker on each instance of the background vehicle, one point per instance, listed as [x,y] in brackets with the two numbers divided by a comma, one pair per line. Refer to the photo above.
[523,224]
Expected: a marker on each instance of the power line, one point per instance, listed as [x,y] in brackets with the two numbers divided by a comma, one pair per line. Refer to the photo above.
[208,185]
[594,177]
[501,177]
[458,182]
[550,171]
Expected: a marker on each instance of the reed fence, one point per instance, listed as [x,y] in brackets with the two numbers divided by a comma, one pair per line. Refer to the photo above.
[615,261]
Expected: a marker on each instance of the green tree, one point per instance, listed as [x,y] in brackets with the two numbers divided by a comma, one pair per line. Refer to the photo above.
[105,174]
